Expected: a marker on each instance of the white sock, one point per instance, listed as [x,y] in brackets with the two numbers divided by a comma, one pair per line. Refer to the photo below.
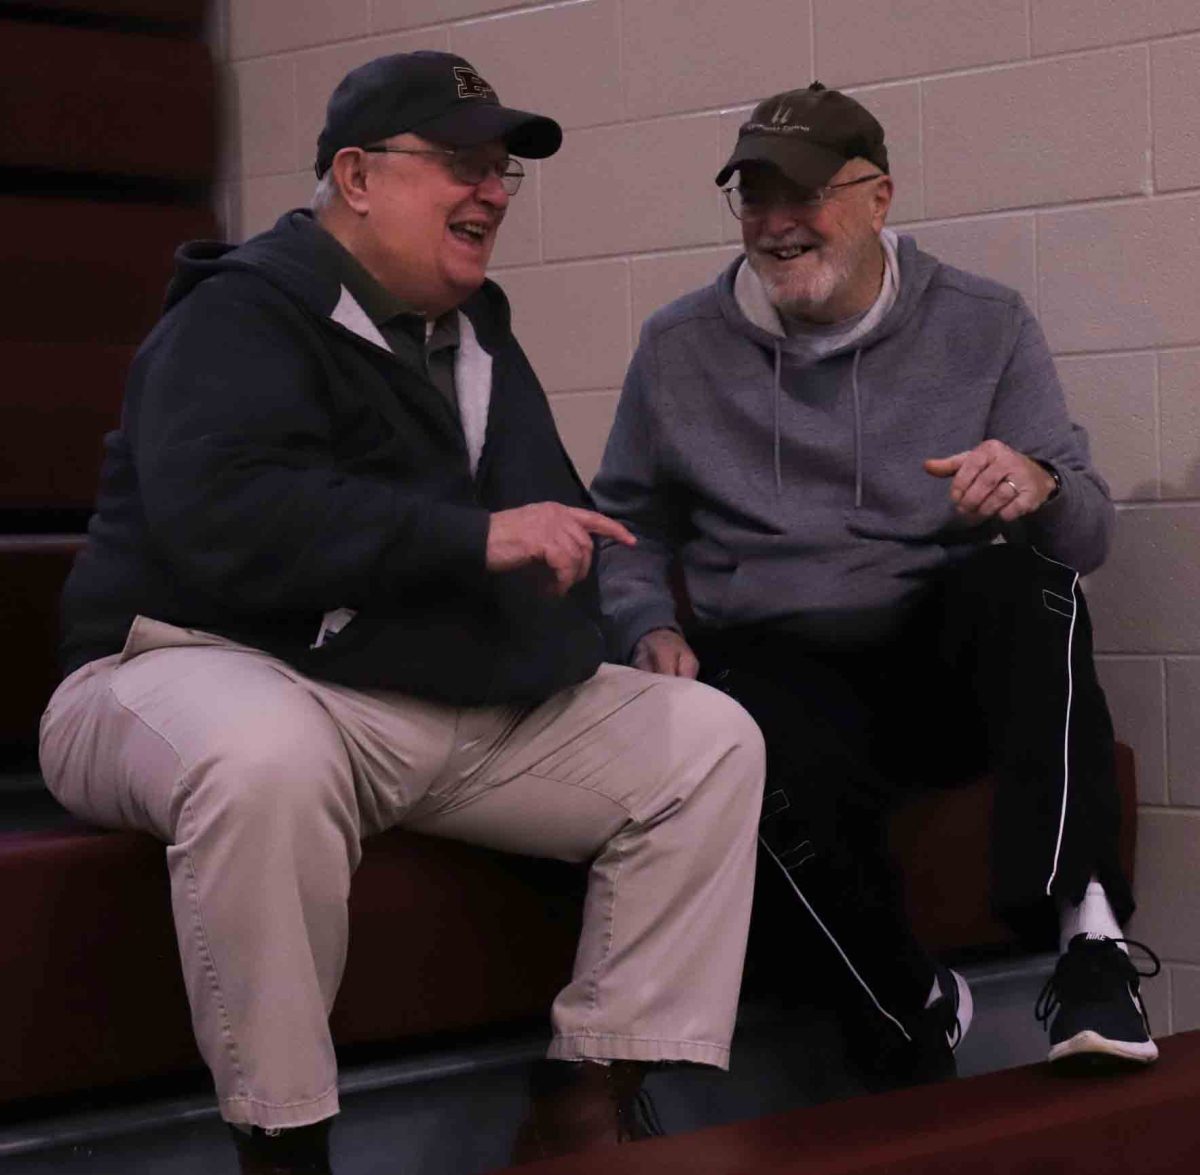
[1094,915]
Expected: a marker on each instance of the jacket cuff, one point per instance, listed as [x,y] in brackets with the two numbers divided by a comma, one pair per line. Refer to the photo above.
[639,621]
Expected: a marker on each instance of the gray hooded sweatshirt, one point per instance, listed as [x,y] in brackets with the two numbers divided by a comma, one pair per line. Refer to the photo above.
[791,488]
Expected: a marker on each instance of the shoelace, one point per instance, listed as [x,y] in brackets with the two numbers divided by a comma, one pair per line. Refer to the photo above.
[1082,974]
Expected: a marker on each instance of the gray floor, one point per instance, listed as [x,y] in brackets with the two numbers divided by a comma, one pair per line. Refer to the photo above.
[455,1114]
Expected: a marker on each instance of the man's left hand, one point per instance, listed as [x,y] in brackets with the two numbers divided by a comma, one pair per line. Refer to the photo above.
[992,480]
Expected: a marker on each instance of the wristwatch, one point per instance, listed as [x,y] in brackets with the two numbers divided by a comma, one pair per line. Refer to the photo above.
[1057,480]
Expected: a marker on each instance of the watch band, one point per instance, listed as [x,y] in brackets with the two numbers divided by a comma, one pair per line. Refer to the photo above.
[1057,479]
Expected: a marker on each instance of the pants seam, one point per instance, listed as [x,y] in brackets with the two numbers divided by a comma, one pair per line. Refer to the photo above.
[229,1040]
[568,783]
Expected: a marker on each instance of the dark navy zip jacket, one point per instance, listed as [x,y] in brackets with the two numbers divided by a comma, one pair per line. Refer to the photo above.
[272,465]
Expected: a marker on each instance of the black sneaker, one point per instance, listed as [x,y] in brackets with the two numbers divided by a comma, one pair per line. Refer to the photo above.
[1092,1005]
[926,1053]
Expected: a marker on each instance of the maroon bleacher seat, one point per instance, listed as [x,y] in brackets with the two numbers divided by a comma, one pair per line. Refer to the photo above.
[32,569]
[444,938]
[103,103]
[1024,1121]
[182,16]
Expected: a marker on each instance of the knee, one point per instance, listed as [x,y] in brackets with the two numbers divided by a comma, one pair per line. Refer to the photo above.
[721,731]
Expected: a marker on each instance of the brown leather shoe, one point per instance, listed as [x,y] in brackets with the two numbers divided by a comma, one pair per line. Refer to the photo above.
[582,1106]
[302,1150]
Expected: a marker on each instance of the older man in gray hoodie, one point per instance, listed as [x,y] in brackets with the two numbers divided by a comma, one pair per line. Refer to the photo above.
[829,442]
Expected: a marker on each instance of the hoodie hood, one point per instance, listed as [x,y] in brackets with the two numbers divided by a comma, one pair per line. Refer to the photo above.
[290,257]
[916,270]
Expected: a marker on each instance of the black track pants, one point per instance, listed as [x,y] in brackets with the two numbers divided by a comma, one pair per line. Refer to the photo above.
[993,669]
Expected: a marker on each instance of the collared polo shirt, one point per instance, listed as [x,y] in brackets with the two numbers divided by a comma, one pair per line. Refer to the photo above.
[430,346]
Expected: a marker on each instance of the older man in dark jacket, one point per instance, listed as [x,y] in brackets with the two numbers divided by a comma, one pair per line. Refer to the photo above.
[340,578]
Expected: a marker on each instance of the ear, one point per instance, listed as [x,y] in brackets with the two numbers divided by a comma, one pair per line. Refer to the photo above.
[349,171]
[881,201]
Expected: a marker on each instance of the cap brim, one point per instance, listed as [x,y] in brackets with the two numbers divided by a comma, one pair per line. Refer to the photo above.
[531,136]
[806,164]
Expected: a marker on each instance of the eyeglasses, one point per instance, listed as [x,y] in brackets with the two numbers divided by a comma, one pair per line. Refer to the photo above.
[467,167]
[754,203]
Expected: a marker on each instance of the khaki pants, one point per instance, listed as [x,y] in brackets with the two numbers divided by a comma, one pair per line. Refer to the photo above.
[262,782]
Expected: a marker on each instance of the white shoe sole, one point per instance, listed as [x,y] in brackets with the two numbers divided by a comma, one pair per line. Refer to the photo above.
[966,1007]
[1088,1043]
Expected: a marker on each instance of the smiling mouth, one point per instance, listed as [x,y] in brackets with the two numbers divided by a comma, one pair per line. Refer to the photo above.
[790,253]
[471,231]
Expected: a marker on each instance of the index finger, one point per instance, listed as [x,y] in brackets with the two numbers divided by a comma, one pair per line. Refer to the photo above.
[601,524]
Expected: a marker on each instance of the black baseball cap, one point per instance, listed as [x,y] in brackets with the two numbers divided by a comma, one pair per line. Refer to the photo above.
[809,135]
[436,95]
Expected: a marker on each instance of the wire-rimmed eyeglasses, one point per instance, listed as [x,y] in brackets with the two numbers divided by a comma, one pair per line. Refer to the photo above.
[467,166]
[753,203]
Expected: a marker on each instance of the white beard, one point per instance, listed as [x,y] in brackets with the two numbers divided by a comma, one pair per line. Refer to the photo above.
[805,290]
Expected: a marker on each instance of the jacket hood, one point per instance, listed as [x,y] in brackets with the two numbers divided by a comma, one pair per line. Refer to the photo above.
[916,272]
[290,256]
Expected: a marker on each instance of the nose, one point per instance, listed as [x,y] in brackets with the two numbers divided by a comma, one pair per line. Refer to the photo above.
[491,191]
[782,215]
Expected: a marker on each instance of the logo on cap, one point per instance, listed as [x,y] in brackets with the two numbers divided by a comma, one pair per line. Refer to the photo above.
[471,85]
[780,124]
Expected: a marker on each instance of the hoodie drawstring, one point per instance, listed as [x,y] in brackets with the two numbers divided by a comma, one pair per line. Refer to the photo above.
[778,394]
[858,465]
[858,440]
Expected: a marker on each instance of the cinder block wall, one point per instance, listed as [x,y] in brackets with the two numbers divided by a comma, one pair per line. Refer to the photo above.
[1052,144]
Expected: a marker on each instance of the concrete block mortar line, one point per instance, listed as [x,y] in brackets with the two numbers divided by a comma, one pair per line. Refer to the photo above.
[1037,269]
[633,255]
[295,128]
[1143,654]
[479,17]
[1124,352]
[1180,810]
[341,42]
[1158,437]
[1149,185]
[1151,504]
[621,79]
[1169,974]
[998,66]
[631,327]
[921,146]
[1166,728]
[812,40]
[630,336]
[1091,203]
[540,215]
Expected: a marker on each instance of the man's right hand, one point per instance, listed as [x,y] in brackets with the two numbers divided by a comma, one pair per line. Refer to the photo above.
[663,650]
[555,537]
